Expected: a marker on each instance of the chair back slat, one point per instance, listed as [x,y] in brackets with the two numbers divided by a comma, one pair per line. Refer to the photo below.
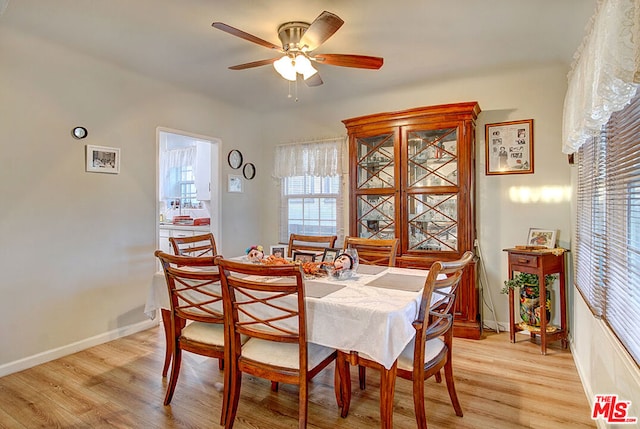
[310,243]
[373,251]
[196,245]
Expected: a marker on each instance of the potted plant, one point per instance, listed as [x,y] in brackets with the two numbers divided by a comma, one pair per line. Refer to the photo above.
[530,308]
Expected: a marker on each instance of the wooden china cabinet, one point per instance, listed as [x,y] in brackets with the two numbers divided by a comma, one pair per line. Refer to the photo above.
[412,177]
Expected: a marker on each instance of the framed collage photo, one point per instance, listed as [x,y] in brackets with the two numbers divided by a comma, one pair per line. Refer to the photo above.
[509,147]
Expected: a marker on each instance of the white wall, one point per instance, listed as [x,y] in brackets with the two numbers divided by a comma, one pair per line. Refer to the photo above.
[77,247]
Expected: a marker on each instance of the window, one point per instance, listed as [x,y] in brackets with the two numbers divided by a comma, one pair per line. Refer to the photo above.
[310,175]
[187,184]
[310,205]
[608,225]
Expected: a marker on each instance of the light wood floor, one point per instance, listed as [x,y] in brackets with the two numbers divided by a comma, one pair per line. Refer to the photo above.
[119,384]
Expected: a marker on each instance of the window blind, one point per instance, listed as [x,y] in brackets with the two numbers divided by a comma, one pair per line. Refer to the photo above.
[608,225]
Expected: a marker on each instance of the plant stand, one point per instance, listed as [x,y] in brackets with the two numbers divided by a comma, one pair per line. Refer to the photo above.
[541,263]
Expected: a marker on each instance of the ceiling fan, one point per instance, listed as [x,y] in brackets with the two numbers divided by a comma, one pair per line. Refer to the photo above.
[299,41]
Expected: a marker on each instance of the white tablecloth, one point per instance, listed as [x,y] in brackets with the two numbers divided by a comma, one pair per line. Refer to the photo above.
[372,320]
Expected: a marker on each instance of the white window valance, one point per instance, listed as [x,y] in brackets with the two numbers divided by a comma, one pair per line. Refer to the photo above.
[320,158]
[606,71]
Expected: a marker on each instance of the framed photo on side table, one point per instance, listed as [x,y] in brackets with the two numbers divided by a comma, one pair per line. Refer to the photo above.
[542,237]
[304,256]
[102,159]
[509,147]
[330,254]
[279,250]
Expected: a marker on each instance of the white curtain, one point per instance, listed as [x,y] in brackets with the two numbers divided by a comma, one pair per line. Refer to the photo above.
[169,162]
[319,158]
[606,71]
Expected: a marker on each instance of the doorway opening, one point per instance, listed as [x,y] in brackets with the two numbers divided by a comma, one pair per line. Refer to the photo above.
[187,185]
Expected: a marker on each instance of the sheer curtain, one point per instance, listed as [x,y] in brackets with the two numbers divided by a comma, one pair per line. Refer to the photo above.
[315,158]
[606,71]
[170,162]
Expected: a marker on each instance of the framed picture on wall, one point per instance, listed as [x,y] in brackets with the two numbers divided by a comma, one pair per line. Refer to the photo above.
[509,147]
[100,159]
[235,183]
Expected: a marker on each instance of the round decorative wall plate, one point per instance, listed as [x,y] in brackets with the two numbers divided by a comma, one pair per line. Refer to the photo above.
[249,171]
[79,132]
[235,159]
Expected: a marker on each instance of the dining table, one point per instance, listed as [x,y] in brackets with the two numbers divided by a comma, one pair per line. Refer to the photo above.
[370,312]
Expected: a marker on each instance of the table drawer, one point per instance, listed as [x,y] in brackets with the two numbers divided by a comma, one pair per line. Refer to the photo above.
[523,260]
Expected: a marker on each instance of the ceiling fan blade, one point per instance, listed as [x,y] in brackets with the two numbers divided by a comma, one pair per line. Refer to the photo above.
[246,36]
[320,30]
[314,80]
[357,61]
[254,64]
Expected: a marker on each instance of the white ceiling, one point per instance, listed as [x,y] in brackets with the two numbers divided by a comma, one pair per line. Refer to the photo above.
[420,40]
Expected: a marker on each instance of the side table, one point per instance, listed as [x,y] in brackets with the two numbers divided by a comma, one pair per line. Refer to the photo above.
[541,263]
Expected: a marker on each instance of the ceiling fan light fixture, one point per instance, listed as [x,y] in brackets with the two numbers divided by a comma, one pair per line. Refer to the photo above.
[304,67]
[285,67]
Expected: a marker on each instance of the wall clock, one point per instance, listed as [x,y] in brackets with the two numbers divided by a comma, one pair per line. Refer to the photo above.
[249,171]
[235,159]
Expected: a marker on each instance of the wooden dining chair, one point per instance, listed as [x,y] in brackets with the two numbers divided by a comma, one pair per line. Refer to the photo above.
[428,352]
[310,243]
[272,315]
[197,320]
[195,245]
[372,251]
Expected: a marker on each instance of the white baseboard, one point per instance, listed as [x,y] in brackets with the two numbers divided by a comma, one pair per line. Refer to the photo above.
[49,355]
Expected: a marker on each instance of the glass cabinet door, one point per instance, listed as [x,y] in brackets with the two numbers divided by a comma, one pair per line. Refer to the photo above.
[376,182]
[376,216]
[433,222]
[376,165]
[432,176]
[432,157]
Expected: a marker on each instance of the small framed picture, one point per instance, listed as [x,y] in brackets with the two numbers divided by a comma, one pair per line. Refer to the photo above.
[542,237]
[304,256]
[330,254]
[235,183]
[279,250]
[102,159]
